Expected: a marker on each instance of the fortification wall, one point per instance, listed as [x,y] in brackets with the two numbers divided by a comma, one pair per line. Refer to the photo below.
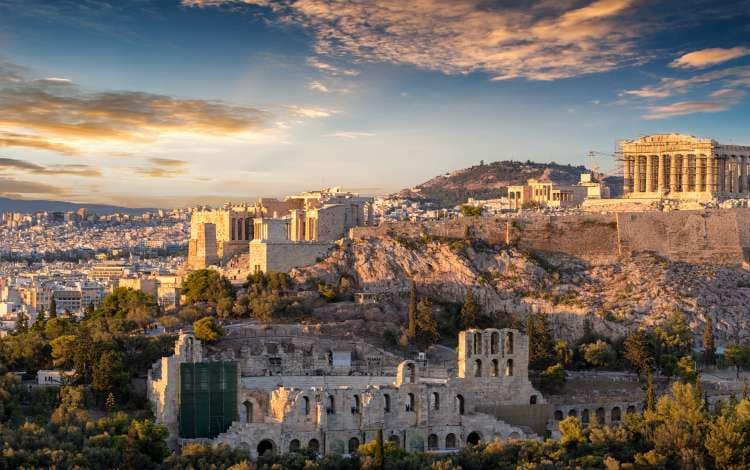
[718,236]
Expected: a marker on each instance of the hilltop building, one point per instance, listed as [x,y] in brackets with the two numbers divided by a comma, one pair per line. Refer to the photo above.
[684,167]
[277,235]
[545,194]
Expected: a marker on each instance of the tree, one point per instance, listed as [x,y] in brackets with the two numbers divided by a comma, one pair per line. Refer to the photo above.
[686,369]
[563,353]
[470,211]
[469,311]
[379,458]
[22,322]
[411,330]
[205,285]
[110,403]
[599,354]
[540,341]
[52,307]
[738,356]
[675,334]
[110,373]
[572,432]
[553,378]
[709,347]
[207,329]
[679,422]
[40,321]
[266,305]
[650,393]
[637,352]
[427,329]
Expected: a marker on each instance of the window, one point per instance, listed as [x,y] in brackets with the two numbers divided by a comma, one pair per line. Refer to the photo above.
[410,404]
[355,407]
[450,441]
[495,368]
[248,411]
[477,344]
[294,445]
[435,401]
[509,368]
[615,415]
[558,415]
[353,445]
[585,417]
[432,442]
[306,402]
[460,404]
[331,405]
[387,403]
[532,400]
[313,445]
[478,368]
[411,370]
[509,342]
[494,343]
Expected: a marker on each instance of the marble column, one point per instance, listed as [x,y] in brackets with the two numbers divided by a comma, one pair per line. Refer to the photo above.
[743,172]
[710,161]
[627,174]
[637,174]
[661,179]
[698,174]
[685,173]
[649,172]
[673,173]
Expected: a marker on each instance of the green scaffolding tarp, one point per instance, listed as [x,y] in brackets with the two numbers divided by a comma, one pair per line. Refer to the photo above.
[208,398]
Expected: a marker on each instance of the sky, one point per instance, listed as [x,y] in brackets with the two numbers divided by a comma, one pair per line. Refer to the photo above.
[179,102]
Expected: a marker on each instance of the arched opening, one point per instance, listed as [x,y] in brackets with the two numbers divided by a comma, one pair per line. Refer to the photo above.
[387,403]
[306,402]
[450,441]
[331,410]
[573,413]
[532,400]
[435,401]
[313,445]
[410,402]
[353,445]
[248,411]
[266,445]
[477,344]
[600,415]
[474,438]
[585,416]
[478,368]
[355,407]
[460,404]
[294,445]
[432,442]
[509,368]
[630,409]
[394,438]
[411,373]
[495,368]
[615,415]
[509,342]
[558,415]
[494,343]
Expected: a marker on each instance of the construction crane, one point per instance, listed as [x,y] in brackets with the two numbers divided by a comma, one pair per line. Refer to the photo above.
[595,155]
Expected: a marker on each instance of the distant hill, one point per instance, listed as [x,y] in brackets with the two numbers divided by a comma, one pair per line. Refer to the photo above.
[489,180]
[40,205]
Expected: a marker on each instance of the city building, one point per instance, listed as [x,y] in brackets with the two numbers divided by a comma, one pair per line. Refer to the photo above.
[537,193]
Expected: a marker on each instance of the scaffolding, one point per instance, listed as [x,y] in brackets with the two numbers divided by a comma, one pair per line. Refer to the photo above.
[208,398]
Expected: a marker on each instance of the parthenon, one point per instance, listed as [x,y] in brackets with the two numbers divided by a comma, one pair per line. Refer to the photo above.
[680,166]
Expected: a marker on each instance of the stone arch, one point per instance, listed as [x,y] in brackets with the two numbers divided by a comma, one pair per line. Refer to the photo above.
[432,442]
[394,438]
[410,403]
[600,415]
[353,445]
[474,438]
[407,373]
[532,400]
[615,415]
[460,404]
[585,416]
[249,411]
[495,368]
[435,401]
[573,412]
[294,445]
[509,342]
[355,407]
[514,435]
[266,445]
[558,415]
[313,445]
[386,403]
[306,405]
[494,342]
[509,368]
[450,441]
[478,368]
[630,409]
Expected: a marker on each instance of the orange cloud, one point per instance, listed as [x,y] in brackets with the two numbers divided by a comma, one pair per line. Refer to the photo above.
[538,40]
[708,57]
[13,164]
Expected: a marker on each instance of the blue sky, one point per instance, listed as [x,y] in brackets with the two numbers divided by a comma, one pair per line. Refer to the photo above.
[175,102]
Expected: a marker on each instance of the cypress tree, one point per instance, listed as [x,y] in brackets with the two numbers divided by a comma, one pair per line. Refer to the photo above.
[53,307]
[426,325]
[412,327]
[650,395]
[709,347]
[22,323]
[469,311]
[379,459]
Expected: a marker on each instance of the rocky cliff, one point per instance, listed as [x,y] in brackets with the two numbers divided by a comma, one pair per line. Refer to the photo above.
[613,294]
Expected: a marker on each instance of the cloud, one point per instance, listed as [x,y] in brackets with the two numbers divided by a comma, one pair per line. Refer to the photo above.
[719,100]
[159,172]
[10,187]
[168,162]
[670,86]
[311,112]
[13,164]
[350,135]
[315,85]
[708,57]
[55,114]
[331,69]
[537,40]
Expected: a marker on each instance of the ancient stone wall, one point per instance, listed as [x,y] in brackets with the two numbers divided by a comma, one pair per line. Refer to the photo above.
[282,257]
